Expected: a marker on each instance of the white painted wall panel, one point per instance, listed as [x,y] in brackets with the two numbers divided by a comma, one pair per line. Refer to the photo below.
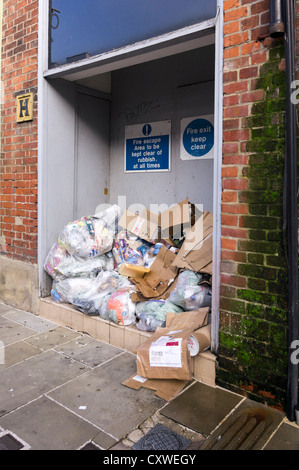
[171,88]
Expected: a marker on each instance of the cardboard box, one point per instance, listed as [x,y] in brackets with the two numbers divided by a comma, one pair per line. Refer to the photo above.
[168,225]
[145,226]
[166,355]
[158,283]
[196,253]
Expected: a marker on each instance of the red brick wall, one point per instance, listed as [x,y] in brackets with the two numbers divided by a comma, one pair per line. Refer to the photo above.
[18,168]
[245,23]
[253,310]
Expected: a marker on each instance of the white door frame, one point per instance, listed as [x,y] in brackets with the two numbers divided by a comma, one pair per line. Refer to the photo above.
[122,58]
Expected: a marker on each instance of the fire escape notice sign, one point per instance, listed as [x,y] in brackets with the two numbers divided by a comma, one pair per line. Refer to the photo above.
[147,147]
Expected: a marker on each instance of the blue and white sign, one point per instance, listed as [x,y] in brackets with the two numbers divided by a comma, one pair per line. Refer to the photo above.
[197,138]
[147,147]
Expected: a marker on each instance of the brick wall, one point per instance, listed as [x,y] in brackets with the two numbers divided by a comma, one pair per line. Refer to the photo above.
[18,168]
[253,317]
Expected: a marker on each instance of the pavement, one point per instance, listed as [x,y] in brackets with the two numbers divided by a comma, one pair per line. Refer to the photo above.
[61,389]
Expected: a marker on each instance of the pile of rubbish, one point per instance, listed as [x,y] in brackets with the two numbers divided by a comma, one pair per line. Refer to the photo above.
[134,269]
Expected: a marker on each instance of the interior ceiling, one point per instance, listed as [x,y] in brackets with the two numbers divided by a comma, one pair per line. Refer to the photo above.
[95,72]
[98,79]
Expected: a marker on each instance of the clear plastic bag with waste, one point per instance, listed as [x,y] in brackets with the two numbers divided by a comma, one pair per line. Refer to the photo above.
[191,292]
[86,293]
[56,255]
[126,249]
[152,313]
[149,323]
[72,266]
[121,308]
[68,289]
[95,303]
[59,263]
[90,236]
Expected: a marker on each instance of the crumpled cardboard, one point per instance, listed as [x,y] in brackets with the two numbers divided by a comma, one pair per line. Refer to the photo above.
[165,355]
[158,283]
[196,253]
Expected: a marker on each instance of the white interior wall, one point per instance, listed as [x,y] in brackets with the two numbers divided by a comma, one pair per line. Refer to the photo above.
[171,88]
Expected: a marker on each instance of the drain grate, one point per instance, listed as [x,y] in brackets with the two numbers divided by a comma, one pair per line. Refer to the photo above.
[244,430]
[162,438]
[8,442]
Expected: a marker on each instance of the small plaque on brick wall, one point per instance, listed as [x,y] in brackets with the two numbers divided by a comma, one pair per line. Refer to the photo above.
[25,107]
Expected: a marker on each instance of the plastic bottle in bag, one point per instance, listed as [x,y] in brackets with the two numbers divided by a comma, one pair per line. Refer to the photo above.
[190,295]
[152,313]
[149,322]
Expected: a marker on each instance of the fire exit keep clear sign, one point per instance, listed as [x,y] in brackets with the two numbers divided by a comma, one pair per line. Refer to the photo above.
[147,147]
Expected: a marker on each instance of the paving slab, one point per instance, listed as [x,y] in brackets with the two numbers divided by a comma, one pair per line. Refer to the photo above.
[11,332]
[45,425]
[89,351]
[52,338]
[285,438]
[101,398]
[4,308]
[34,377]
[17,352]
[201,407]
[29,320]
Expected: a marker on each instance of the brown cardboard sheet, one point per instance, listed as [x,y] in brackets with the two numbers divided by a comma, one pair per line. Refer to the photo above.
[196,253]
[145,226]
[188,320]
[165,389]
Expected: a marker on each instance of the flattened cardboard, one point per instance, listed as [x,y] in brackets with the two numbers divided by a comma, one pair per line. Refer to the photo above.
[159,282]
[145,227]
[165,389]
[175,219]
[196,253]
[188,320]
